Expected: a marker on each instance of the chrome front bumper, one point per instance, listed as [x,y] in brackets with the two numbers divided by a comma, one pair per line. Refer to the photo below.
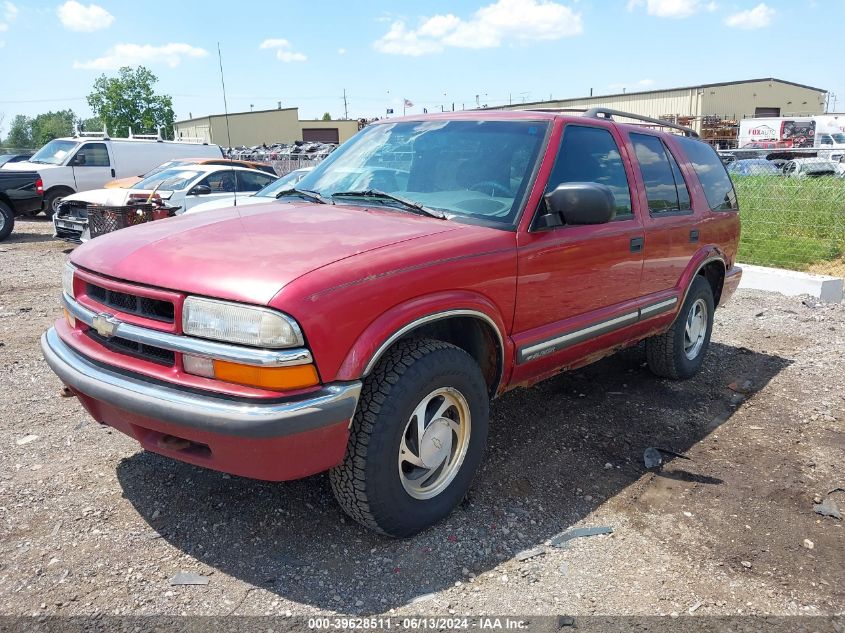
[332,404]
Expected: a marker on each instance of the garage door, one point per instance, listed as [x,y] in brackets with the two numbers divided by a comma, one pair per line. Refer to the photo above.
[767,112]
[320,134]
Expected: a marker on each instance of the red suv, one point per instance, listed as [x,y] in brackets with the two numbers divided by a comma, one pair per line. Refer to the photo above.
[362,322]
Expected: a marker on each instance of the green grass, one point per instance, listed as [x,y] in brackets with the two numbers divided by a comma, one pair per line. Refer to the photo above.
[792,223]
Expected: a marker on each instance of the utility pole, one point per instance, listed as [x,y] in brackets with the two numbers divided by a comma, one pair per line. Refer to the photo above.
[345,109]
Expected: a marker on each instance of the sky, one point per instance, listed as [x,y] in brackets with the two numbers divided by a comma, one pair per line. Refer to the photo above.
[434,53]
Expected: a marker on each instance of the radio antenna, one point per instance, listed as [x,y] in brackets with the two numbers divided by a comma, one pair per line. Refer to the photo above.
[226,115]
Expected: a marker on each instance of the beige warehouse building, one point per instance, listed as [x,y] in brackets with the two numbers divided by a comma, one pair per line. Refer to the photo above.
[710,109]
[264,126]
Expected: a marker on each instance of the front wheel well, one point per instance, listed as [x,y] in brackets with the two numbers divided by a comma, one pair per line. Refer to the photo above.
[473,335]
[714,273]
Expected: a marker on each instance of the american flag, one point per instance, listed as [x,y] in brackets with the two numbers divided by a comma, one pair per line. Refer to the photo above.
[408,103]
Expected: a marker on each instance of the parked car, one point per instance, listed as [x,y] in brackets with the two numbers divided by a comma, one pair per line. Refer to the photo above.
[179,187]
[21,193]
[264,195]
[810,168]
[125,183]
[86,162]
[754,167]
[14,158]
[364,331]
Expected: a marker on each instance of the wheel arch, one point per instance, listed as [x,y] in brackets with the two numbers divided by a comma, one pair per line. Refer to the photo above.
[475,327]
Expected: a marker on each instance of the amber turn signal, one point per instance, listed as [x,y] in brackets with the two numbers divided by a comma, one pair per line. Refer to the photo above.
[275,378]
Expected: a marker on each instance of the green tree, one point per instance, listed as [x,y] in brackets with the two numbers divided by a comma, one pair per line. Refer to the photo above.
[20,133]
[49,125]
[130,100]
[327,116]
[91,124]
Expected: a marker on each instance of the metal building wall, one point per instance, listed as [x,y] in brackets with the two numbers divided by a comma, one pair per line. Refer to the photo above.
[739,101]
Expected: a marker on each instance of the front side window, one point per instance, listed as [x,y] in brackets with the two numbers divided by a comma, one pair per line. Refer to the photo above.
[471,170]
[590,154]
[92,155]
[718,188]
[220,182]
[665,187]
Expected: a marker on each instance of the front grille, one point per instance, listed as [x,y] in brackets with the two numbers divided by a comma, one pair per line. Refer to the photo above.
[156,309]
[138,350]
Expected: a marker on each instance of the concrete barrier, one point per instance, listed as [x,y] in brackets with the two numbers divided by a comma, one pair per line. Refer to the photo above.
[792,282]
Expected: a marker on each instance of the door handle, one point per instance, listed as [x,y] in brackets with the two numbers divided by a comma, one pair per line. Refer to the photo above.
[637,244]
[693,235]
[112,172]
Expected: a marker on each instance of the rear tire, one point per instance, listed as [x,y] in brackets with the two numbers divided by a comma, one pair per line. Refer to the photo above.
[392,481]
[679,352]
[7,221]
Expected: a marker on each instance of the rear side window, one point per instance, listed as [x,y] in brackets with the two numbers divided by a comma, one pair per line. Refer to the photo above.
[590,154]
[250,181]
[665,187]
[711,173]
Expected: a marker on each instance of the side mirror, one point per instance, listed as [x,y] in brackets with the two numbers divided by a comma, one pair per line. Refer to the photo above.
[578,203]
[78,160]
[200,190]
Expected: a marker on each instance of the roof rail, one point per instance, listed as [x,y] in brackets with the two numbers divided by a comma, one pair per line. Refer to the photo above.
[103,135]
[607,113]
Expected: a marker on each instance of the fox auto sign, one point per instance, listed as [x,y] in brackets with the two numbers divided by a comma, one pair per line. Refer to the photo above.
[763,132]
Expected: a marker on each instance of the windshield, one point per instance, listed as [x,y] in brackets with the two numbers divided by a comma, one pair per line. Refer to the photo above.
[478,170]
[163,166]
[54,152]
[285,182]
[169,180]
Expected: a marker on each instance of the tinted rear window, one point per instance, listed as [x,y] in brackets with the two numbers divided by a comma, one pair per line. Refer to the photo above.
[714,179]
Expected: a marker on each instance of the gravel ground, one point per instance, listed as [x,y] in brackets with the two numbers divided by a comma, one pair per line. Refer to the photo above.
[90,524]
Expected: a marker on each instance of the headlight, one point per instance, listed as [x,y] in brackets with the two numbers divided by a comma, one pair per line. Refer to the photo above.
[67,279]
[236,323]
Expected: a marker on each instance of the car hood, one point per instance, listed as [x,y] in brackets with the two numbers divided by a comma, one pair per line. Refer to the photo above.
[25,165]
[243,201]
[249,255]
[113,197]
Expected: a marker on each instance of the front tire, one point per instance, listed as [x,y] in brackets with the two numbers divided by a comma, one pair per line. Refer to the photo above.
[679,352]
[416,440]
[7,221]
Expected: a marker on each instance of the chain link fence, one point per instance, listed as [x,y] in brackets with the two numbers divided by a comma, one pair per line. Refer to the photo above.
[792,207]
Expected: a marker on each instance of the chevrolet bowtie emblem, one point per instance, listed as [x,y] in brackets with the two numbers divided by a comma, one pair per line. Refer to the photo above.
[105,324]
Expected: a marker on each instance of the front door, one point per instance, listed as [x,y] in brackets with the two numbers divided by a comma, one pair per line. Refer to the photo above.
[92,166]
[579,284]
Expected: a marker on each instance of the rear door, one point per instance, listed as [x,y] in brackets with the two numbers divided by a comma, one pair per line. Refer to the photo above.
[578,284]
[672,234]
[92,166]
[251,181]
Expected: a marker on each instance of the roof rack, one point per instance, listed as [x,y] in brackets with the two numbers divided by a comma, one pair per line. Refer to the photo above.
[607,113]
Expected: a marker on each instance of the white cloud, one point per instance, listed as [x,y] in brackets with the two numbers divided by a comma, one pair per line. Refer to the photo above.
[10,13]
[671,8]
[78,17]
[146,54]
[518,21]
[283,50]
[757,18]
[341,51]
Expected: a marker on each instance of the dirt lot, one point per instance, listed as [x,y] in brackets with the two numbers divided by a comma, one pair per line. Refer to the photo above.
[91,524]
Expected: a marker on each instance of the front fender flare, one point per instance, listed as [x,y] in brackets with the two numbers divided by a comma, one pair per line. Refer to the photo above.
[403,318]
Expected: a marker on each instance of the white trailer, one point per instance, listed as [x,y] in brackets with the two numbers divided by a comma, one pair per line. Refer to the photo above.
[826,132]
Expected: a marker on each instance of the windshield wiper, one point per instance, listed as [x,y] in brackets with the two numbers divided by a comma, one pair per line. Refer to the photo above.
[40,162]
[305,193]
[414,207]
